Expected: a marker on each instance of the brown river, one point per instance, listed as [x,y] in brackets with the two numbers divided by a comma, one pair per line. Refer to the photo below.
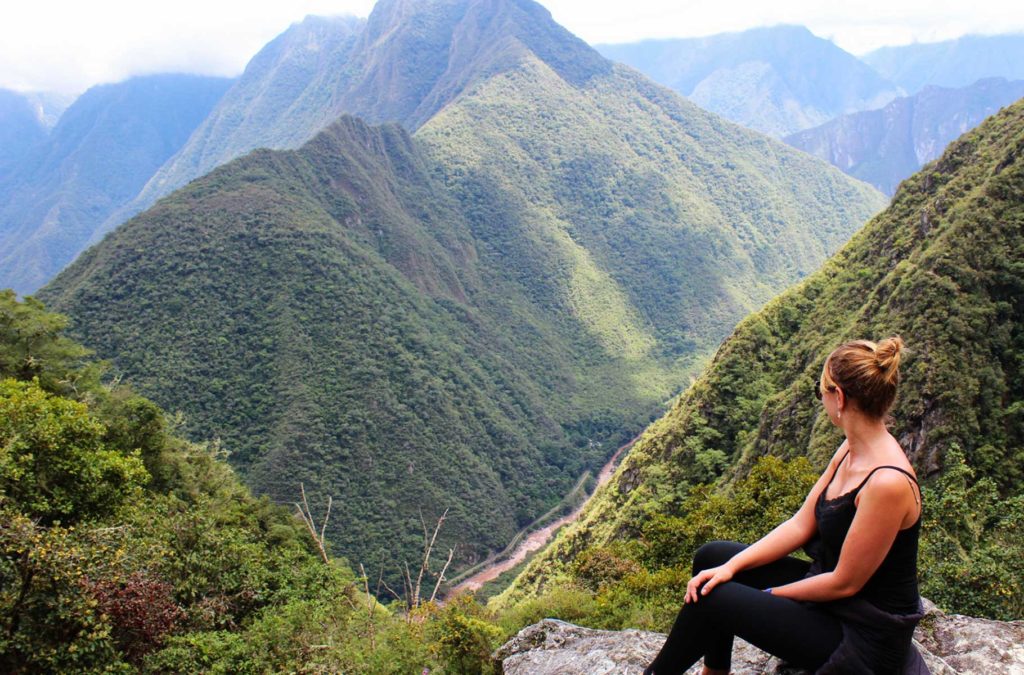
[536,540]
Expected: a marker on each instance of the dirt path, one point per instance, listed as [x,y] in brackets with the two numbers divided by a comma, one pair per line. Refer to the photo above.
[536,540]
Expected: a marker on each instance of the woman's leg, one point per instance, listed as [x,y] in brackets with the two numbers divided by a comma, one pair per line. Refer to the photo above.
[799,633]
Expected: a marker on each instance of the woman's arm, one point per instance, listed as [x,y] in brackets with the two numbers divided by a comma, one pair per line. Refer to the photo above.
[884,503]
[780,542]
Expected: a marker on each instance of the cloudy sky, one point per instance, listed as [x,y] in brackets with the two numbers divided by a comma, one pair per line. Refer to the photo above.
[70,45]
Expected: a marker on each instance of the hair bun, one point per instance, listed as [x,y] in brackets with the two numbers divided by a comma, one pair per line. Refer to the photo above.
[887,355]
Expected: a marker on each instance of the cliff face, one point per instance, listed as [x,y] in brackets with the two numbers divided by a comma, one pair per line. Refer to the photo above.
[882,147]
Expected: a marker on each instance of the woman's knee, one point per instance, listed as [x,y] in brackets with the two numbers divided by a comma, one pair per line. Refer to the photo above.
[715,553]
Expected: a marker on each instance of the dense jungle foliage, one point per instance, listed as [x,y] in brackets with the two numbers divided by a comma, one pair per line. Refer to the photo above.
[124,548]
[417,324]
[942,266]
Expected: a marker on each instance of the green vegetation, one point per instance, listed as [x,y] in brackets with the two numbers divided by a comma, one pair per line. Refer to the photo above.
[124,548]
[941,267]
[321,314]
[468,319]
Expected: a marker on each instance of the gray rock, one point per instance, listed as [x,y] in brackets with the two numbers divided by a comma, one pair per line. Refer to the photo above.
[950,643]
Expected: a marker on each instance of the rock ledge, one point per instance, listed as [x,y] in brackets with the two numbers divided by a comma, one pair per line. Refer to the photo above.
[950,643]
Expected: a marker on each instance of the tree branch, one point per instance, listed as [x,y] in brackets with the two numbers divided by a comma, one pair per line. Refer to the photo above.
[440,577]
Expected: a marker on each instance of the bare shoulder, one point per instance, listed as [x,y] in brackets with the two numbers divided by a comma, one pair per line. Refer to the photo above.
[887,486]
[886,483]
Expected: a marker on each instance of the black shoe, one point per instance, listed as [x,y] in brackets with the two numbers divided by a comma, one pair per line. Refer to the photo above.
[649,670]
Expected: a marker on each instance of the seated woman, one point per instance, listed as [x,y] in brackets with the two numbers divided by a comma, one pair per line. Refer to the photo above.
[854,608]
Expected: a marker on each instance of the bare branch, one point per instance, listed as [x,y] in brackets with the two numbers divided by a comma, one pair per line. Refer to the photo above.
[426,555]
[307,518]
[330,500]
[440,577]
[392,592]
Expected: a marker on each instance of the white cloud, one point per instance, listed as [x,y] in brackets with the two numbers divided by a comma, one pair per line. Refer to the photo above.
[69,45]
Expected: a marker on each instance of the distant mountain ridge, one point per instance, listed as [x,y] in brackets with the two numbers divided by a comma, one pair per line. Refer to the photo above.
[349,66]
[882,147]
[20,128]
[952,63]
[777,80]
[469,316]
[97,157]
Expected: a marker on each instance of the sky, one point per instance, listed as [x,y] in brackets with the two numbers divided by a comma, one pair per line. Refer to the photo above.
[69,45]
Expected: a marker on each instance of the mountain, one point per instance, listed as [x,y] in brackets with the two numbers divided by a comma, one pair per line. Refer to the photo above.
[942,268]
[324,67]
[777,80]
[281,100]
[468,317]
[882,147]
[952,63]
[49,105]
[97,158]
[20,128]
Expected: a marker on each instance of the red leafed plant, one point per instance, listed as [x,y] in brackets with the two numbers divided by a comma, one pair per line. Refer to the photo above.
[140,608]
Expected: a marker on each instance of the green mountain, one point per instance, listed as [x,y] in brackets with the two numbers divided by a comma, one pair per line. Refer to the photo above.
[884,146]
[97,158]
[941,267]
[324,67]
[952,63]
[777,80]
[470,317]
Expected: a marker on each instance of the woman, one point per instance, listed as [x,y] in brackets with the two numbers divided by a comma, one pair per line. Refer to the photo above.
[853,610]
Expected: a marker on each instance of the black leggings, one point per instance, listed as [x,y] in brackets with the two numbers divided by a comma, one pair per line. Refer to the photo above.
[801,634]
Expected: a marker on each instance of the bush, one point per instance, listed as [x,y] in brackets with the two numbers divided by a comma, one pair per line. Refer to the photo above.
[54,466]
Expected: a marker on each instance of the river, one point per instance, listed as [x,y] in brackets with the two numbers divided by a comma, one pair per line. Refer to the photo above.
[536,540]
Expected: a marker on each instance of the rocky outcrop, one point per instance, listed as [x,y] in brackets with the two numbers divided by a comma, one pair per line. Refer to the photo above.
[950,643]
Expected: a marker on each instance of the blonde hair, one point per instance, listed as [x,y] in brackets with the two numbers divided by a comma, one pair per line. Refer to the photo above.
[868,373]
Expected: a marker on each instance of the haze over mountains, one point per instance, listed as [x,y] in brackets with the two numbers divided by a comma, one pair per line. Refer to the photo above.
[20,128]
[62,186]
[771,78]
[882,147]
[952,63]
[467,317]
[777,80]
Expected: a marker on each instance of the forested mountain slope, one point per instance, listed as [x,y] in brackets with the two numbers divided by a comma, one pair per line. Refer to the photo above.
[777,80]
[469,317]
[100,154]
[951,63]
[942,266]
[882,147]
[125,548]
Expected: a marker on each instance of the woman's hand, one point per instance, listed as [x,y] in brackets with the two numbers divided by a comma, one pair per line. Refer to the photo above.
[710,578]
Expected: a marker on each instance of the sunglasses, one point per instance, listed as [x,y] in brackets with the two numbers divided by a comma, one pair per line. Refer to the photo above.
[817,389]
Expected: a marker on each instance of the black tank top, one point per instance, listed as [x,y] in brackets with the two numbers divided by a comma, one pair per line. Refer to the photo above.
[893,586]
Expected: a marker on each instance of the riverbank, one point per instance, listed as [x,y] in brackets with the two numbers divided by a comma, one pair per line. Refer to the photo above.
[529,543]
